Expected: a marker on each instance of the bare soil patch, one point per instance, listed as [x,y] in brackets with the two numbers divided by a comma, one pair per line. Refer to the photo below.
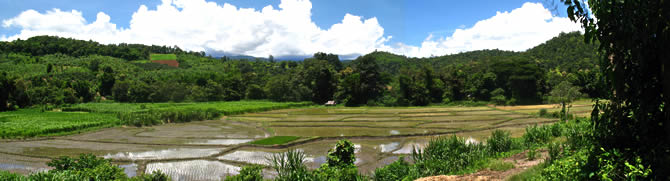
[520,161]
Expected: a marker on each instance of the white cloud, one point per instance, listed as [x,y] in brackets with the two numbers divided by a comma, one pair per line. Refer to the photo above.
[199,25]
[518,30]
[206,26]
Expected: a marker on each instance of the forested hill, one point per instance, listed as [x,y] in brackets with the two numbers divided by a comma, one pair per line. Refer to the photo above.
[54,71]
[566,52]
[45,45]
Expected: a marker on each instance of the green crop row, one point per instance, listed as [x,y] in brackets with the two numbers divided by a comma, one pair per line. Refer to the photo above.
[32,122]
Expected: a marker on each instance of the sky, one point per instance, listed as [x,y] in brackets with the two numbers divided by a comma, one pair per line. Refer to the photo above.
[294,27]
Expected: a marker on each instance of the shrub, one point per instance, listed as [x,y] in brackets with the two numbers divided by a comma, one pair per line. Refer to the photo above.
[543,112]
[554,152]
[536,135]
[446,155]
[290,165]
[6,175]
[342,155]
[556,129]
[248,173]
[398,170]
[499,141]
[568,168]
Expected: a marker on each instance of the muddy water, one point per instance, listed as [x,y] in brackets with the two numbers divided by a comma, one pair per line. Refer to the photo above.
[212,150]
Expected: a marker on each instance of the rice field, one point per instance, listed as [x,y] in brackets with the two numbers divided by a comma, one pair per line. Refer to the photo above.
[79,118]
[213,149]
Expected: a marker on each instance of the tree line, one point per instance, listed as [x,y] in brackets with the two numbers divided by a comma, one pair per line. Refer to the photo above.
[50,73]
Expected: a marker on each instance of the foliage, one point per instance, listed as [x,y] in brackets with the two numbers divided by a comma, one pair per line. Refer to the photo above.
[635,121]
[85,167]
[248,173]
[362,84]
[342,155]
[564,93]
[536,135]
[32,122]
[447,155]
[499,141]
[275,140]
[498,96]
[398,170]
[290,166]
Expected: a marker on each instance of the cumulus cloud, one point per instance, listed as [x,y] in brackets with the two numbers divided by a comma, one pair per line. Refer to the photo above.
[199,25]
[517,30]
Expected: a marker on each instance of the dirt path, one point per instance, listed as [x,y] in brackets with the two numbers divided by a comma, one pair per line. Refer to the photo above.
[520,165]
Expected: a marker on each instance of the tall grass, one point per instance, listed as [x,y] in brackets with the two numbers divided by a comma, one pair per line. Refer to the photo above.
[499,141]
[448,155]
[290,165]
[154,117]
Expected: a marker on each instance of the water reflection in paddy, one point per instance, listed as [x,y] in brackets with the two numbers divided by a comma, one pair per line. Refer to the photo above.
[171,153]
[194,170]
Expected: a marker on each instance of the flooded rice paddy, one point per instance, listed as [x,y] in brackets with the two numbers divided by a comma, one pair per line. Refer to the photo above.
[214,149]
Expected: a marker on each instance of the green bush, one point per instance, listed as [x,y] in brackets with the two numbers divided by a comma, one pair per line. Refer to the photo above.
[447,155]
[536,135]
[85,167]
[568,168]
[342,155]
[6,175]
[290,166]
[398,170]
[248,173]
[543,112]
[499,141]
[555,151]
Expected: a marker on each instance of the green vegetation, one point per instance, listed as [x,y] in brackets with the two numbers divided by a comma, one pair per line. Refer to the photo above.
[86,167]
[626,137]
[48,74]
[453,155]
[275,140]
[33,122]
[499,165]
[25,123]
[155,56]
[339,165]
[533,173]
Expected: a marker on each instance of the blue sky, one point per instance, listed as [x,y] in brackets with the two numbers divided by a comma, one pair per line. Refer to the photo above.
[414,28]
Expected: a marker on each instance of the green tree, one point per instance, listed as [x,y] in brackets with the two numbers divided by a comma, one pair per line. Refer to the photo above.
[498,96]
[361,84]
[332,59]
[634,36]
[6,87]
[319,76]
[107,81]
[564,93]
[121,91]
